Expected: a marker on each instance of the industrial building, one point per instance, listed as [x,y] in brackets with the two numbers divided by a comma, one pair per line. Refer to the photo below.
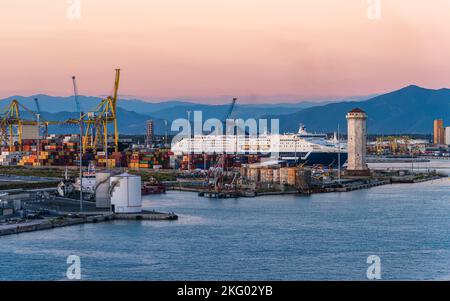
[438,134]
[6,208]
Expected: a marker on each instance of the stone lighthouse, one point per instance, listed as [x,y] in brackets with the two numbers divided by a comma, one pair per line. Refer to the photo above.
[356,121]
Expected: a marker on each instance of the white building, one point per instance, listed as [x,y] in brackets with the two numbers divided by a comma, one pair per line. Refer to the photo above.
[356,144]
[447,135]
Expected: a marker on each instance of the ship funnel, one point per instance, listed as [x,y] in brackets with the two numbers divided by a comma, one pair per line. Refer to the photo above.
[302,129]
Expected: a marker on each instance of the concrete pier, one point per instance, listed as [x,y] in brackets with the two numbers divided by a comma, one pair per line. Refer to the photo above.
[346,188]
[146,215]
[64,221]
[219,195]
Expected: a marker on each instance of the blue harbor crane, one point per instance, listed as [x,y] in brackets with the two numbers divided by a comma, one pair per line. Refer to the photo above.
[230,110]
[38,108]
[39,115]
[228,115]
[75,93]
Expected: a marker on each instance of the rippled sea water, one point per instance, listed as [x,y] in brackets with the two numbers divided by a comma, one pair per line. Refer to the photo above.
[324,237]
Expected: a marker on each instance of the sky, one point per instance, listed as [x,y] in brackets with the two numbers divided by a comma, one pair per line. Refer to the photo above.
[211,50]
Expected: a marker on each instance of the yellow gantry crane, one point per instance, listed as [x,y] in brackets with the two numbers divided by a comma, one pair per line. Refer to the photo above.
[406,144]
[380,145]
[96,132]
[11,124]
[399,145]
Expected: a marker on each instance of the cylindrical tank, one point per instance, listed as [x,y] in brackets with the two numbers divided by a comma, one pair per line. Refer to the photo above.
[126,193]
[254,174]
[102,197]
[244,170]
[266,175]
[276,176]
[292,174]
[284,174]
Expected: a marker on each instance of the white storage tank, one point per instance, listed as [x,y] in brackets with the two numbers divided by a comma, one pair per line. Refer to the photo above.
[102,197]
[126,193]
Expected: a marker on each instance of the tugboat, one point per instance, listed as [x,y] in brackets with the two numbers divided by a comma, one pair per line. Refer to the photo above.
[152,186]
[88,179]
[70,186]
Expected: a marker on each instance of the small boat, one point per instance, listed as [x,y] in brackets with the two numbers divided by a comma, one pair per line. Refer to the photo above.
[152,187]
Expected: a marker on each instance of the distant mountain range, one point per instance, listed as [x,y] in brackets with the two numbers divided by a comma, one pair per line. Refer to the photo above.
[55,104]
[408,110]
[133,113]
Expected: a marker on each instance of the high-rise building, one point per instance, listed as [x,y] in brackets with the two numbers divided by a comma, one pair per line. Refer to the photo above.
[150,132]
[447,135]
[356,122]
[439,135]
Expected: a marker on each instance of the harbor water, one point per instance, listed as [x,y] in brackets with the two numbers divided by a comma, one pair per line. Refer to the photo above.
[320,237]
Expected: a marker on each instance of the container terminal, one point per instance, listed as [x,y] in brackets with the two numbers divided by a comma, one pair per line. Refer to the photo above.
[49,180]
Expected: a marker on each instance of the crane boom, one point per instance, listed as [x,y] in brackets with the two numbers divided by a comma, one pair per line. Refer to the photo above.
[116,85]
[38,108]
[75,93]
[116,129]
[230,110]
[97,122]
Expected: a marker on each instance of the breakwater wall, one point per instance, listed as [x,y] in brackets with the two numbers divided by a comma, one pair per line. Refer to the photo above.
[51,223]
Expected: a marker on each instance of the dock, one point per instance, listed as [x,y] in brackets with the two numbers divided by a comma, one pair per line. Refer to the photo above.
[62,212]
[18,227]
[346,184]
[146,215]
[219,195]
[244,194]
[358,186]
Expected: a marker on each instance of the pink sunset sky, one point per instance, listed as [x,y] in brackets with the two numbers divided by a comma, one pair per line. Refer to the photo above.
[258,50]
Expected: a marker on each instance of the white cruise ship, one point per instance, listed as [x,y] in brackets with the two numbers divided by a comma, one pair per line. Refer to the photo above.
[302,147]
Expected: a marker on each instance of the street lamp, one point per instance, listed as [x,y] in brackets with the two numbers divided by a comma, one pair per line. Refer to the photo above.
[106,141]
[38,138]
[81,161]
[339,154]
[190,134]
[165,132]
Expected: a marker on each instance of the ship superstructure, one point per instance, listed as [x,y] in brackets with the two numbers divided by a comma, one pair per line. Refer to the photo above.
[302,147]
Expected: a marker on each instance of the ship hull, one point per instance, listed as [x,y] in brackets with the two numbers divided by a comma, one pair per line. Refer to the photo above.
[316,158]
